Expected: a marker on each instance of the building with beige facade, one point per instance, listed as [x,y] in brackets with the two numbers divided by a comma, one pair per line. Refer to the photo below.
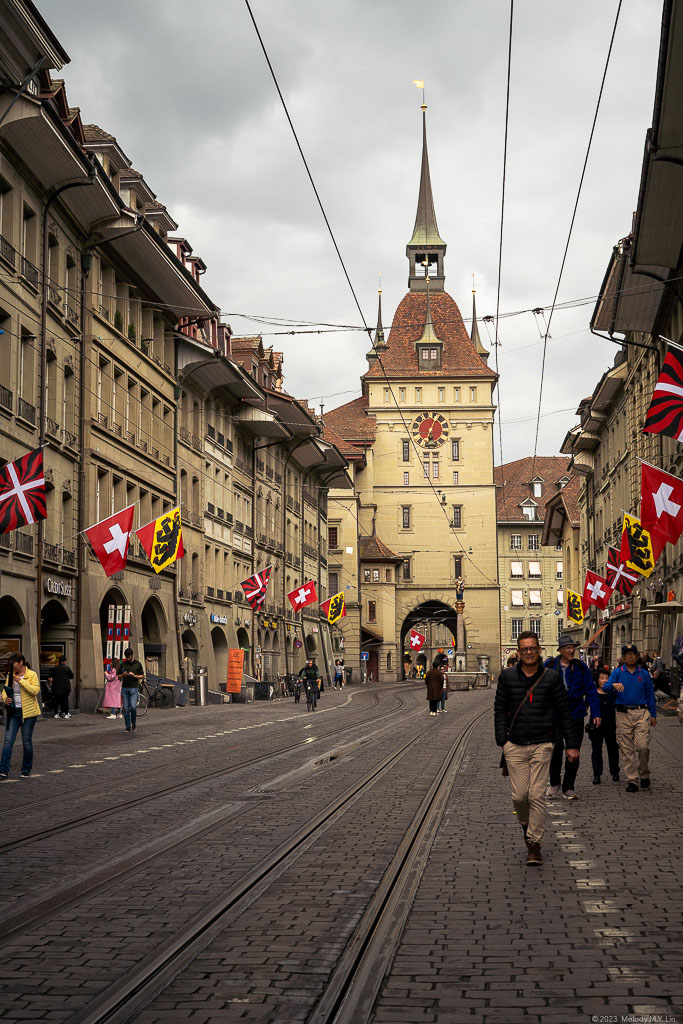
[532,577]
[422,515]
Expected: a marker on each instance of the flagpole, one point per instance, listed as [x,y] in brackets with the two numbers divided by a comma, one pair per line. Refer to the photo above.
[672,344]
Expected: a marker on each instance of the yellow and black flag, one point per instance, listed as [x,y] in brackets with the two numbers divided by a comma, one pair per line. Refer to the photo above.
[334,608]
[574,607]
[639,550]
[162,539]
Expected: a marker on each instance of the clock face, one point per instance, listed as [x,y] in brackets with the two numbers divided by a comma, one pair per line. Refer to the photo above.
[430,429]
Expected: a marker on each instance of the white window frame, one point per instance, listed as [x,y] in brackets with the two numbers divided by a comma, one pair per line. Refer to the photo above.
[517,570]
[535,599]
[517,598]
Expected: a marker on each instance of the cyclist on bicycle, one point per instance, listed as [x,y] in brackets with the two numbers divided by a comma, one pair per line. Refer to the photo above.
[310,676]
[130,673]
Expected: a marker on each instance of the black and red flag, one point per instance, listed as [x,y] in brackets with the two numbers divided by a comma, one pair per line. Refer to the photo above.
[255,587]
[619,576]
[665,415]
[22,492]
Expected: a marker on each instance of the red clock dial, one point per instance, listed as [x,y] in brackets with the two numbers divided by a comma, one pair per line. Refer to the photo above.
[430,430]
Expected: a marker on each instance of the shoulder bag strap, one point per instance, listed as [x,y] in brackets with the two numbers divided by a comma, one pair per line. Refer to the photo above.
[527,694]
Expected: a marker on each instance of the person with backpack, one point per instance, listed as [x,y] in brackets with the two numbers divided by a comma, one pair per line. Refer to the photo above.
[582,694]
[636,712]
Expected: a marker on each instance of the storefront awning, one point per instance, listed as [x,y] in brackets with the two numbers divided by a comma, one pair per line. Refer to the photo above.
[664,608]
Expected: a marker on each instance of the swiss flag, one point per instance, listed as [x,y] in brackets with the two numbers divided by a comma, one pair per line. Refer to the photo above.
[661,503]
[416,640]
[596,590]
[110,538]
[303,595]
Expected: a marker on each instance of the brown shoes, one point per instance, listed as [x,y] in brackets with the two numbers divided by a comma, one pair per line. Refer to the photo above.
[534,854]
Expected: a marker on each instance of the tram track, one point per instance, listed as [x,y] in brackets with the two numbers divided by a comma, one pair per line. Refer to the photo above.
[139,800]
[352,988]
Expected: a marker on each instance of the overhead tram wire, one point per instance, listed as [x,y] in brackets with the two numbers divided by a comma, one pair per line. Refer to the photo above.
[353,292]
[571,228]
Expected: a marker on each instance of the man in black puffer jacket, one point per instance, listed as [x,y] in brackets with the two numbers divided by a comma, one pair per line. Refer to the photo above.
[530,703]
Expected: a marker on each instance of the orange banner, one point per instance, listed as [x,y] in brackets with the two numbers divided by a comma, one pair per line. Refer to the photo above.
[235,668]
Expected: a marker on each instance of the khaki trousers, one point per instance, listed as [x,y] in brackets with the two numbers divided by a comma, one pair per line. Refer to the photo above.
[633,737]
[528,770]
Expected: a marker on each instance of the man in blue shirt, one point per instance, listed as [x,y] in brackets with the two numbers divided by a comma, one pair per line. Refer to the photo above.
[578,682]
[636,711]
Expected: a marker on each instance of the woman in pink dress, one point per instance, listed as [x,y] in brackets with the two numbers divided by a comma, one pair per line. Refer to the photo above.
[112,692]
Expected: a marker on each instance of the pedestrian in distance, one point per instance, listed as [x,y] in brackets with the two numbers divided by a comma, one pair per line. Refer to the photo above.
[605,733]
[22,710]
[434,684]
[659,673]
[131,675]
[512,661]
[338,681]
[112,692]
[581,693]
[531,703]
[60,683]
[444,690]
[310,677]
[636,711]
[297,691]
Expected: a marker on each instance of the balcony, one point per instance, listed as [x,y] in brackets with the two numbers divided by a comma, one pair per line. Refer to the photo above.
[69,439]
[297,561]
[104,312]
[72,314]
[260,465]
[310,551]
[26,411]
[239,527]
[278,478]
[23,543]
[248,531]
[269,472]
[52,427]
[197,597]
[6,398]
[5,541]
[52,553]
[239,595]
[185,435]
[54,296]
[69,558]
[8,252]
[27,270]
[197,443]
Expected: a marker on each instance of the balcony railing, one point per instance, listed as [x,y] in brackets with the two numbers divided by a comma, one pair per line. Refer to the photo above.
[6,398]
[69,558]
[72,314]
[23,542]
[5,541]
[185,435]
[239,527]
[69,439]
[52,427]
[26,411]
[52,553]
[8,252]
[54,295]
[27,270]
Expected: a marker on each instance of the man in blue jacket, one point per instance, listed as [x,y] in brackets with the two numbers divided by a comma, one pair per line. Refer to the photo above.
[636,712]
[578,682]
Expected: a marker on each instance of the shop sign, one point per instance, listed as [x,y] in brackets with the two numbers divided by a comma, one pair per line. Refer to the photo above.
[60,588]
[221,620]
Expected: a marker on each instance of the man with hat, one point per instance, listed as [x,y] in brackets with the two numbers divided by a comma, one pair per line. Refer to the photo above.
[636,712]
[578,682]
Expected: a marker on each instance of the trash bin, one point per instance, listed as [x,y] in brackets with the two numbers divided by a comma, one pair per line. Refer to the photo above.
[182,692]
[348,674]
[201,687]
[262,690]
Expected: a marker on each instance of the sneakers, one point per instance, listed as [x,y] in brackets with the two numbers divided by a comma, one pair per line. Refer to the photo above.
[596,780]
[552,791]
[127,730]
[570,795]
[631,788]
[4,775]
[615,776]
[67,715]
[134,727]
[533,856]
[25,775]
[58,715]
[433,713]
[111,716]
[645,783]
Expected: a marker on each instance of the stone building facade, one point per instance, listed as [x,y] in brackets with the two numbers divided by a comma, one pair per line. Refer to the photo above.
[422,515]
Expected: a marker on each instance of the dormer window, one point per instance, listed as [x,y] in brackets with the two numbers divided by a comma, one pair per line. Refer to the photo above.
[562,482]
[537,487]
[429,357]
[529,510]
[432,264]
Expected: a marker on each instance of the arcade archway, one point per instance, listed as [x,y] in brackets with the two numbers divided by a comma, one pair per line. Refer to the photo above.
[114,625]
[438,622]
[12,624]
[220,653]
[190,654]
[154,630]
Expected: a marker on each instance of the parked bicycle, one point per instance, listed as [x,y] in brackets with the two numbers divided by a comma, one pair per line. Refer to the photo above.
[159,696]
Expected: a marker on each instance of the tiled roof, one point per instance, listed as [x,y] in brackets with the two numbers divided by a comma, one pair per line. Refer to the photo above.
[570,499]
[93,133]
[400,356]
[372,549]
[513,484]
[349,451]
[351,421]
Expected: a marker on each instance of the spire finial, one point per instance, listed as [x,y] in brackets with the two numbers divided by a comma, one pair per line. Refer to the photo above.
[474,332]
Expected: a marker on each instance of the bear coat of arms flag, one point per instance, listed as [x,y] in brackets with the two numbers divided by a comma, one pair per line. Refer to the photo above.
[110,539]
[416,640]
[661,503]
[22,492]
[596,591]
[665,415]
[334,608]
[574,606]
[256,586]
[639,550]
[618,576]
[162,540]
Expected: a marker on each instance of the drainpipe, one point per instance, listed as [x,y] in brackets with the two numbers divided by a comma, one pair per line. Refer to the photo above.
[304,440]
[43,395]
[253,558]
[177,392]
[86,264]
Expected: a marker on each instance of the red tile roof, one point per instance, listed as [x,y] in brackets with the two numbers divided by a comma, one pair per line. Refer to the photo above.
[570,499]
[372,549]
[513,484]
[400,356]
[349,451]
[352,422]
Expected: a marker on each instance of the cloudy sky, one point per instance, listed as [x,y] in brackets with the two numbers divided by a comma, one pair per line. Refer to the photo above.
[186,91]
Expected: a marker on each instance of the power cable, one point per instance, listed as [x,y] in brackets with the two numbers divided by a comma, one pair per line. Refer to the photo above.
[571,227]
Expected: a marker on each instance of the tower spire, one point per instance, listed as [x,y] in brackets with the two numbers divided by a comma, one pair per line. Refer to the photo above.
[474,330]
[426,242]
[379,344]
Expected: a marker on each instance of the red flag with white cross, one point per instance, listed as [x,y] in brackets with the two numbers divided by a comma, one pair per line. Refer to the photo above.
[303,595]
[416,640]
[661,503]
[110,538]
[596,590]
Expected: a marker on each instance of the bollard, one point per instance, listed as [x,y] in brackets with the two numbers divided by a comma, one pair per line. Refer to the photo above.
[201,687]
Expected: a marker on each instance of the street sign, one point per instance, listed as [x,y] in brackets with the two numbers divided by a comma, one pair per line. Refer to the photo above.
[364,655]
[450,652]
[298,644]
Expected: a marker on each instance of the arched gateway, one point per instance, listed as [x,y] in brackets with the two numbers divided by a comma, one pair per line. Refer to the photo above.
[438,622]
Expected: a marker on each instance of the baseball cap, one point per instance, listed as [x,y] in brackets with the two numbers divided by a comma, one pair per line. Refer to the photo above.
[629,649]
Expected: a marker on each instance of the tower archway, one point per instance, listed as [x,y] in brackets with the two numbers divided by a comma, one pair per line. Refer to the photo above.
[437,621]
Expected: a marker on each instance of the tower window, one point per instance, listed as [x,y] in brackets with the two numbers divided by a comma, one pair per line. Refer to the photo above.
[457,517]
[426,262]
[406,451]
[405,516]
[442,394]
[418,395]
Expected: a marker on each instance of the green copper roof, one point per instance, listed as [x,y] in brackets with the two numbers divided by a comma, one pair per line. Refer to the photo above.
[425,231]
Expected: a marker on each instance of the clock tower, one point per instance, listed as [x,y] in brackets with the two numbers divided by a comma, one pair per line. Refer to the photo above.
[424,508]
